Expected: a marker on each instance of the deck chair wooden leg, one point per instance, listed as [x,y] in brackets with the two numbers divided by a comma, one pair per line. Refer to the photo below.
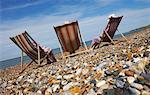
[110,38]
[26,66]
[61,51]
[38,55]
[21,60]
[123,36]
[84,44]
[81,37]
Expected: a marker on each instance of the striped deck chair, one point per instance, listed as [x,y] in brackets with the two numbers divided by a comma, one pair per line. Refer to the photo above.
[70,38]
[26,43]
[110,29]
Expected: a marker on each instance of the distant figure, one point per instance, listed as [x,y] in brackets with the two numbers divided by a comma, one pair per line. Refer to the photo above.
[95,43]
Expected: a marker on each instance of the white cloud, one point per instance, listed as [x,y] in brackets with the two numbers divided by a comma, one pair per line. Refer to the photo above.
[24,5]
[41,27]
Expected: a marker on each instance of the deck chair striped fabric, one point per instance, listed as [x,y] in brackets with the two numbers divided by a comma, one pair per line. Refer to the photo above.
[26,43]
[110,29]
[69,37]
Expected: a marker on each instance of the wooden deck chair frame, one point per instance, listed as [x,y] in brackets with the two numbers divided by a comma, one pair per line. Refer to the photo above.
[110,38]
[80,38]
[39,60]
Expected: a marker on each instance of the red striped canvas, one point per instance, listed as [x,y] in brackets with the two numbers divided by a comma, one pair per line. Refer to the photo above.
[68,35]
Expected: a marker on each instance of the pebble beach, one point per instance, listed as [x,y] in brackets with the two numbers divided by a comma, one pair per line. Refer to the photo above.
[120,69]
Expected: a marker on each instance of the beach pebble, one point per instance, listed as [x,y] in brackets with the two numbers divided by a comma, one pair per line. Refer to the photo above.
[136,59]
[93,81]
[68,76]
[105,86]
[3,85]
[100,66]
[48,91]
[40,92]
[137,86]
[85,71]
[122,73]
[55,87]
[130,79]
[120,83]
[146,54]
[30,80]
[145,93]
[129,73]
[64,82]
[125,66]
[100,83]
[146,76]
[134,91]
[1,81]
[91,92]
[78,71]
[108,72]
[59,77]
[19,78]
[69,85]
[75,90]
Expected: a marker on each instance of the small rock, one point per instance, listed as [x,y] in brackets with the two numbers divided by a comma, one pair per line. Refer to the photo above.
[134,91]
[30,80]
[4,85]
[64,82]
[100,83]
[129,73]
[75,90]
[91,92]
[85,71]
[137,86]
[120,83]
[40,92]
[78,71]
[26,90]
[93,81]
[19,78]
[68,76]
[136,59]
[69,85]
[125,66]
[107,72]
[33,76]
[105,86]
[55,87]
[146,54]
[145,93]
[140,78]
[146,76]
[59,77]
[48,91]
[100,66]
[1,81]
[130,79]
[122,73]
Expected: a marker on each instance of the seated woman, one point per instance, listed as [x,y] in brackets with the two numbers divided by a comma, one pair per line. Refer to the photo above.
[51,57]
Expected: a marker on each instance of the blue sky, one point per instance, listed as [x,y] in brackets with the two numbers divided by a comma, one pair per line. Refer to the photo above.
[38,17]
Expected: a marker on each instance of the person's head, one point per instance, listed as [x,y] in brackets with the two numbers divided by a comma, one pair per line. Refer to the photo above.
[111,15]
[66,22]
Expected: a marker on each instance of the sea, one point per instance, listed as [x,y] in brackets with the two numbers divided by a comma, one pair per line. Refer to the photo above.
[12,62]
